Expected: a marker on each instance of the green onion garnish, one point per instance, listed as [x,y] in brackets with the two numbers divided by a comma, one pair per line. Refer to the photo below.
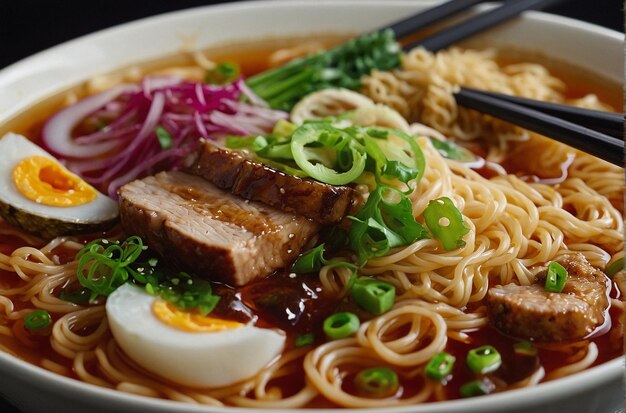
[525,348]
[105,265]
[477,388]
[37,320]
[222,74]
[451,150]
[484,359]
[341,325]
[555,277]
[374,296]
[304,340]
[343,66]
[446,223]
[615,267]
[305,157]
[164,137]
[440,366]
[377,382]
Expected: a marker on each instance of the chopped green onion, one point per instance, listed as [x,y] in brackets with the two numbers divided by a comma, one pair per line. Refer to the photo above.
[374,296]
[446,223]
[80,296]
[103,266]
[381,225]
[451,150]
[440,366]
[525,348]
[484,359]
[37,320]
[238,142]
[615,267]
[314,132]
[310,261]
[222,74]
[164,137]
[284,129]
[556,277]
[341,325]
[477,388]
[304,340]
[313,260]
[377,382]
[342,66]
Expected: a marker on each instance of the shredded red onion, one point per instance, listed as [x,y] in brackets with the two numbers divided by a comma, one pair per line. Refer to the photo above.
[127,147]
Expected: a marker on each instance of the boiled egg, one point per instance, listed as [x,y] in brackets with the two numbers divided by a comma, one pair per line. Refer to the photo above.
[40,195]
[184,347]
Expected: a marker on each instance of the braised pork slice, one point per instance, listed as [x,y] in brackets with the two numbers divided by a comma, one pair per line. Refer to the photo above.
[255,181]
[211,232]
[530,312]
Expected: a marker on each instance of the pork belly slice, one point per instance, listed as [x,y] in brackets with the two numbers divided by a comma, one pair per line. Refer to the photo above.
[530,312]
[212,233]
[238,173]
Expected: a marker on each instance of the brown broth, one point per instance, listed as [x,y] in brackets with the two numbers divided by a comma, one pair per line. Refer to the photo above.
[306,294]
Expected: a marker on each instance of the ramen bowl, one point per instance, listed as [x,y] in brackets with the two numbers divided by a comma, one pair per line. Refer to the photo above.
[32,389]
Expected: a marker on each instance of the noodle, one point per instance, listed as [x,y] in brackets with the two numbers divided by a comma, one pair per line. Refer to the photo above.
[516,223]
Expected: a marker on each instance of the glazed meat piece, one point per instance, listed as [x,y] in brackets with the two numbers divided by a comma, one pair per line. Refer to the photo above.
[530,312]
[255,181]
[210,232]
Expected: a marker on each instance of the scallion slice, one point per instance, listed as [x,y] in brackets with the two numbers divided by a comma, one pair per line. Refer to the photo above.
[525,348]
[341,325]
[446,223]
[373,295]
[484,359]
[37,320]
[304,340]
[556,277]
[377,382]
[440,366]
[477,388]
[615,267]
[314,132]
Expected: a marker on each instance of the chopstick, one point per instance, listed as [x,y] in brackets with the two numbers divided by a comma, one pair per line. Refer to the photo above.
[467,28]
[587,140]
[431,16]
[609,123]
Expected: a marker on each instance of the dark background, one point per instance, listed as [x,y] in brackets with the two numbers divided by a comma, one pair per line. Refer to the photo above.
[28,26]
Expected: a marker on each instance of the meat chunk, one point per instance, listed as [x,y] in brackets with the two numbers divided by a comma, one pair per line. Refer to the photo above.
[530,312]
[255,181]
[211,232]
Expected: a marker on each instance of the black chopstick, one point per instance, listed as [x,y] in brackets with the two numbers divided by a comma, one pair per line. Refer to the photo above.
[431,16]
[483,21]
[609,123]
[587,140]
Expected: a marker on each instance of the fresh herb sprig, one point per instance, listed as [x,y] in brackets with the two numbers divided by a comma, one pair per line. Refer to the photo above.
[104,266]
[342,66]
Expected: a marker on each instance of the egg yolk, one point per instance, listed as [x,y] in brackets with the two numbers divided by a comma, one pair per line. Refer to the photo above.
[47,182]
[168,314]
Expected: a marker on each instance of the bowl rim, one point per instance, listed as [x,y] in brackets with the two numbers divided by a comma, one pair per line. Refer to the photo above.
[545,392]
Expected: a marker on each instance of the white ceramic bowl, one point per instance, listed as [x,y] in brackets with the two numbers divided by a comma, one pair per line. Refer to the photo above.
[597,390]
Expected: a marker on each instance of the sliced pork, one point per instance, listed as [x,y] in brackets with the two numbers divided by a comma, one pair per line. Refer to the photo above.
[255,181]
[211,232]
[530,312]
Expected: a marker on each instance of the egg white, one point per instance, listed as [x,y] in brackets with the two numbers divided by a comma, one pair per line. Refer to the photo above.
[189,358]
[15,148]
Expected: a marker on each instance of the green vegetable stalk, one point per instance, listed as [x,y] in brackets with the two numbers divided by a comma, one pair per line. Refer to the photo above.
[342,66]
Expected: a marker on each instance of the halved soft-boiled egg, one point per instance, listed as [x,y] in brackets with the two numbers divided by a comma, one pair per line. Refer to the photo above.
[188,348]
[40,195]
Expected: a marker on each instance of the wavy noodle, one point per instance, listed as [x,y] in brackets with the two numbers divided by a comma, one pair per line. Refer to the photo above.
[516,223]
